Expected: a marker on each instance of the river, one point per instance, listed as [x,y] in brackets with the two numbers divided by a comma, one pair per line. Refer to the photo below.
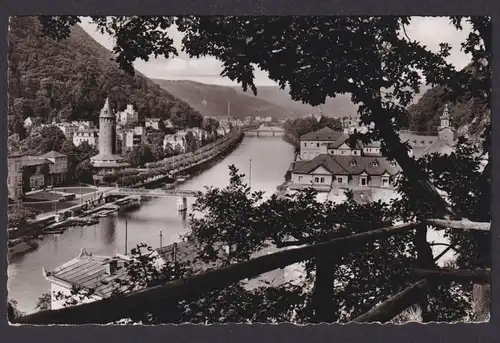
[270,159]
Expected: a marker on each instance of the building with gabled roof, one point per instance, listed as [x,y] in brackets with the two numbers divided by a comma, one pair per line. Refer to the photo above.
[88,272]
[326,171]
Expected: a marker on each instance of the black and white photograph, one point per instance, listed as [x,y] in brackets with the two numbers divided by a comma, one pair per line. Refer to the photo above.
[249,169]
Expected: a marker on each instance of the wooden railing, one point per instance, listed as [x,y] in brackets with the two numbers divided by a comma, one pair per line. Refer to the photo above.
[113,309]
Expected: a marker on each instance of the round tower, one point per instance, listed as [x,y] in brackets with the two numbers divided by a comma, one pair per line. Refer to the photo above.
[107,130]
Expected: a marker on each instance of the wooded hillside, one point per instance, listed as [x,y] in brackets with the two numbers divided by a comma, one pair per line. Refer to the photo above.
[469,113]
[70,79]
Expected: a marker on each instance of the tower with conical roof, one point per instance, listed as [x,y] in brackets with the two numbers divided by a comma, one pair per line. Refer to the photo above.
[107,130]
[107,161]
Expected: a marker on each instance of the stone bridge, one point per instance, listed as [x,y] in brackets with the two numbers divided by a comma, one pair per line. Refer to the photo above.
[265,131]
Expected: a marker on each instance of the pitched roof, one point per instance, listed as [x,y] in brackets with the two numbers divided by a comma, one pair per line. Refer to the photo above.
[408,136]
[89,272]
[441,147]
[324,134]
[323,160]
[34,161]
[187,252]
[53,153]
[349,165]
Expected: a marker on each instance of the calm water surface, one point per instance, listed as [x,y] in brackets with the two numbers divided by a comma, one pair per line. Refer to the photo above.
[270,158]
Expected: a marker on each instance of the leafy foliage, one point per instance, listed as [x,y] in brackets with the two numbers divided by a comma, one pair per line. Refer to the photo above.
[19,215]
[294,129]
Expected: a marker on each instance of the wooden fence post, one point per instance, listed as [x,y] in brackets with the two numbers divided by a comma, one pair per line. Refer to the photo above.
[425,260]
[323,302]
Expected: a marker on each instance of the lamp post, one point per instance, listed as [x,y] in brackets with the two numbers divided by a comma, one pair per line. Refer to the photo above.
[250,173]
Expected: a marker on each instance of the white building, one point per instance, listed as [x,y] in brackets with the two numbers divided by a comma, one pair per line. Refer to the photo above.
[153,123]
[75,274]
[127,117]
[68,129]
[131,138]
[197,133]
[315,143]
[221,131]
[90,136]
[175,141]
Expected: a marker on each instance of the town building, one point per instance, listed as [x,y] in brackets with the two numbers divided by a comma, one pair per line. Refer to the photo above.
[76,272]
[315,143]
[58,167]
[107,161]
[197,133]
[325,172]
[15,174]
[38,169]
[127,117]
[131,138]
[97,273]
[90,136]
[48,169]
[153,123]
[335,159]
[221,131]
[176,141]
[68,129]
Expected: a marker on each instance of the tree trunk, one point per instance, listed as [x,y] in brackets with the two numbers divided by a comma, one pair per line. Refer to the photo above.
[396,149]
[323,301]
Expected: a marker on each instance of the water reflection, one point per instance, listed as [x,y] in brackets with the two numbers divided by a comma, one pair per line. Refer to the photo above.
[108,230]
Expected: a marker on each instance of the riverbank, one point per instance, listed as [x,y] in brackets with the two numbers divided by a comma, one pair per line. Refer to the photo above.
[57,223]
[188,165]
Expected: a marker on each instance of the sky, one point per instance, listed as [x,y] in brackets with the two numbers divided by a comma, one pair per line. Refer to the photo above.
[429,31]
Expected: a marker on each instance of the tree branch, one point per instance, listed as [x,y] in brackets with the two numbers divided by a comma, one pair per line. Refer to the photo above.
[395,304]
[458,224]
[450,274]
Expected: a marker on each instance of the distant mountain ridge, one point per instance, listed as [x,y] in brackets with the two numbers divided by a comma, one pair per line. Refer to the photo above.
[212,100]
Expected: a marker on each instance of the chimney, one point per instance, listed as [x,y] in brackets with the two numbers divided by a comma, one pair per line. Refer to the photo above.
[111,266]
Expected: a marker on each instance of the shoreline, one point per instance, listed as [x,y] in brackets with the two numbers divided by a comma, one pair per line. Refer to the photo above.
[52,225]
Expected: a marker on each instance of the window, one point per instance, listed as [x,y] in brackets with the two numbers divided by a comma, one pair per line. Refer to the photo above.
[322,180]
[317,145]
[305,144]
[340,179]
[385,182]
[362,181]
[355,152]
[352,163]
[300,178]
[316,179]
[375,163]
[343,152]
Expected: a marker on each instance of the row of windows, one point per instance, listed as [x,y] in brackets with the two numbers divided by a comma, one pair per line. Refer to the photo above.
[363,180]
